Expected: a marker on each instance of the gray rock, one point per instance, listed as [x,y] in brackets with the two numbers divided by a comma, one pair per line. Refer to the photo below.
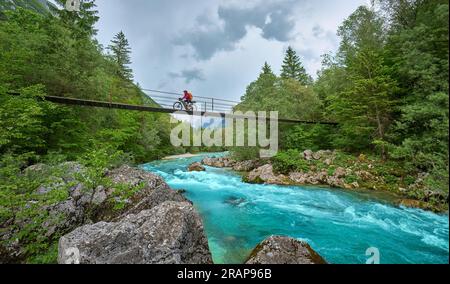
[76,191]
[171,233]
[308,155]
[245,166]
[133,177]
[328,161]
[36,169]
[219,162]
[72,170]
[148,198]
[340,172]
[43,190]
[99,196]
[265,174]
[86,205]
[284,250]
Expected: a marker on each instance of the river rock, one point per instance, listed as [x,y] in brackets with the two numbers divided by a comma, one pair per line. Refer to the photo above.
[171,233]
[340,172]
[284,250]
[308,155]
[265,174]
[196,167]
[245,166]
[328,161]
[235,201]
[219,162]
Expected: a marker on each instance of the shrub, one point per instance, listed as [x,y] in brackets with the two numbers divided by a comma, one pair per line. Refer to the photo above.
[289,161]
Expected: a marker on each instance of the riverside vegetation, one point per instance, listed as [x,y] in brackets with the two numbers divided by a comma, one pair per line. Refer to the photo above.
[387,87]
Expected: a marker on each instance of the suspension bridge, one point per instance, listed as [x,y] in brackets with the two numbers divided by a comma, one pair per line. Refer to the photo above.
[164,104]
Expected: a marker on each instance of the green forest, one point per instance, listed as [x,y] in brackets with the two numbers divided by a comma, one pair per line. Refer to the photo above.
[386,87]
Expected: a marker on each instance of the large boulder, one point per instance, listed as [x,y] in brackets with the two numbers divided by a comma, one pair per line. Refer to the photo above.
[170,233]
[134,189]
[265,174]
[284,250]
[134,176]
[196,167]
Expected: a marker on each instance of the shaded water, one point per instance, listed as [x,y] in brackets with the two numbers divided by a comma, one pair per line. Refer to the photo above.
[339,225]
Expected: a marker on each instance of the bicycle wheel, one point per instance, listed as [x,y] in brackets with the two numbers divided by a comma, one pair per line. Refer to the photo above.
[178,106]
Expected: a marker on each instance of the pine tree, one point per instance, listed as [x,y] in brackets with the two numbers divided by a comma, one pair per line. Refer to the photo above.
[292,68]
[121,55]
[83,22]
[267,70]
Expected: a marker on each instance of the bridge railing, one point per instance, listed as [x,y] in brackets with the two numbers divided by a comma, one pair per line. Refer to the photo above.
[205,104]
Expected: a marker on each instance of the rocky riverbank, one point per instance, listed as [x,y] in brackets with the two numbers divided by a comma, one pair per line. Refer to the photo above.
[132,217]
[329,168]
[128,216]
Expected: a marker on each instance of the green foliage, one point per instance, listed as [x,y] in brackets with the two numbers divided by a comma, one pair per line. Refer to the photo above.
[38,57]
[81,23]
[121,55]
[293,69]
[363,106]
[245,153]
[303,137]
[39,6]
[290,161]
[291,100]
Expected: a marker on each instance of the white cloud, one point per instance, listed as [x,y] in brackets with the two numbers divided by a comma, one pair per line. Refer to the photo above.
[152,27]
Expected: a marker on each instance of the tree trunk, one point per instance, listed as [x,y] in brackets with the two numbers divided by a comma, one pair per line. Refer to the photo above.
[381,133]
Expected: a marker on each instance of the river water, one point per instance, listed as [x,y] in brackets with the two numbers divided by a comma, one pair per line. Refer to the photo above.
[340,225]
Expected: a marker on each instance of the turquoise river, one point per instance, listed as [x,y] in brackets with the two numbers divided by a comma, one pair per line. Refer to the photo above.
[340,225]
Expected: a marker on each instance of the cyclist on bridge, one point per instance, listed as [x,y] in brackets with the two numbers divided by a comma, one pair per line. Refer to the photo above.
[188,97]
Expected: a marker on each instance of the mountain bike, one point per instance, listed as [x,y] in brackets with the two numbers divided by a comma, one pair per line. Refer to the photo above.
[182,105]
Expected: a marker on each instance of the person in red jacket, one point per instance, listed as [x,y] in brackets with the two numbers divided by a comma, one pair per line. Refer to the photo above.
[188,97]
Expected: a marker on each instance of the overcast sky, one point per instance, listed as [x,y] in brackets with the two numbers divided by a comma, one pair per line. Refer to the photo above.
[215,48]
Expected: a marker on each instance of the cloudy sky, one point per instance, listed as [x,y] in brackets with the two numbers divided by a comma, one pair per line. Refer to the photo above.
[215,48]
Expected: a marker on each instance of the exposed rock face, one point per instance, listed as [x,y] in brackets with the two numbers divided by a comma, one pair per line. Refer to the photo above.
[265,174]
[170,233]
[196,167]
[283,250]
[86,205]
[245,166]
[219,162]
[133,176]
